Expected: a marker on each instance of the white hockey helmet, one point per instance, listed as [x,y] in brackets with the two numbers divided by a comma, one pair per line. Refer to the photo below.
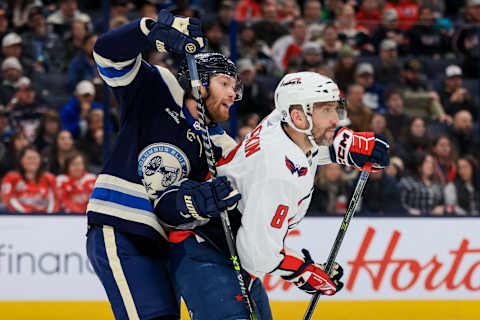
[304,89]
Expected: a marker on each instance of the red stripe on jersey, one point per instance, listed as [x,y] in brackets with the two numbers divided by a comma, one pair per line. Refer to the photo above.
[226,160]
[178,236]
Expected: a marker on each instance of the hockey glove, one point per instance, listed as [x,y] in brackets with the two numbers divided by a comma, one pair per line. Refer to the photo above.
[179,35]
[364,150]
[203,200]
[310,277]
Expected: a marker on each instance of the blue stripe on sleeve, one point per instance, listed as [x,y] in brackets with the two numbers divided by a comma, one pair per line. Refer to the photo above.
[121,198]
[111,72]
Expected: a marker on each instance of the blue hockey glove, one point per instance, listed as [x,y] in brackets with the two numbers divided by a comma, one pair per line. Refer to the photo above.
[179,35]
[364,150]
[203,200]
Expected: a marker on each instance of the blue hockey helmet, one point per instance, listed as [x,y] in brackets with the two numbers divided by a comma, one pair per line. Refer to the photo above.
[208,64]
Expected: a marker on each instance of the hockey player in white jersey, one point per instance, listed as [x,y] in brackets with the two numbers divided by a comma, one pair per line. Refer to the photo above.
[274,169]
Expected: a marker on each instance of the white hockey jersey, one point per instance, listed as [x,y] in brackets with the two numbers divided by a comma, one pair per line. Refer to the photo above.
[275,178]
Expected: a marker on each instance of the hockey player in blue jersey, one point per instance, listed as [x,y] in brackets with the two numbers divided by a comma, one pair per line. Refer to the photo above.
[149,182]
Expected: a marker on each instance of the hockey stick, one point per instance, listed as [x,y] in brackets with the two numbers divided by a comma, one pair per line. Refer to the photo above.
[207,146]
[352,206]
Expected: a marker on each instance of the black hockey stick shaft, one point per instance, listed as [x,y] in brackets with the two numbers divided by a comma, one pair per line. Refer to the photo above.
[352,206]
[207,146]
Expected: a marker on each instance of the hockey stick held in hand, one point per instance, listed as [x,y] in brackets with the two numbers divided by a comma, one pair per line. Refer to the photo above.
[207,146]
[352,206]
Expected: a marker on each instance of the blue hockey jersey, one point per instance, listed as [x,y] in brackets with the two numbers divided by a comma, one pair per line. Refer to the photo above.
[158,144]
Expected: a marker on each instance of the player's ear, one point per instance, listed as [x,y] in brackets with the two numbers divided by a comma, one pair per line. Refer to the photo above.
[298,117]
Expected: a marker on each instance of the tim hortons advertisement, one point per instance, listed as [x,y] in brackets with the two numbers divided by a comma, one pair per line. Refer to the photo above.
[43,258]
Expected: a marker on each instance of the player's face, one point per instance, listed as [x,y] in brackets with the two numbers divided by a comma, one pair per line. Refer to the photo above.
[325,121]
[222,96]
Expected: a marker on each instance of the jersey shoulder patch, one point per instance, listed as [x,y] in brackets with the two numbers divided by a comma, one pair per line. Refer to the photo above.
[161,165]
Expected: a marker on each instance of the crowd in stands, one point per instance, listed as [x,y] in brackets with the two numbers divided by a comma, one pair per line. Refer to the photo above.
[409,70]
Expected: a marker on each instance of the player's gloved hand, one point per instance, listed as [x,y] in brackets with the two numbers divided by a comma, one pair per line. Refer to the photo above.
[310,277]
[179,35]
[203,200]
[364,150]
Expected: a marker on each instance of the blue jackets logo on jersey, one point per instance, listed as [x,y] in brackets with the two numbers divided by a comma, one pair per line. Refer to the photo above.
[161,165]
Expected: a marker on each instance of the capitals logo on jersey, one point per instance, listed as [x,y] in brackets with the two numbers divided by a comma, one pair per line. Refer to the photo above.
[161,165]
[301,171]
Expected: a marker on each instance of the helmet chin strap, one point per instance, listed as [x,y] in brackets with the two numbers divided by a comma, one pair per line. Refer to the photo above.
[307,132]
[207,113]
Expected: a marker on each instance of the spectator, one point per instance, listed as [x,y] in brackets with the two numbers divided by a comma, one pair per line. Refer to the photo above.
[289,10]
[396,168]
[20,16]
[426,38]
[76,185]
[331,45]
[12,47]
[12,74]
[42,49]
[92,144]
[26,109]
[312,13]
[444,160]
[74,114]
[369,16]
[118,8]
[407,11]
[462,135]
[389,30]
[290,46]
[61,20]
[82,66]
[358,113]
[465,40]
[344,69]
[268,29]
[398,121]
[418,99]
[30,189]
[74,43]
[420,194]
[417,139]
[381,195]
[247,10]
[216,39]
[374,96]
[378,124]
[311,56]
[3,23]
[461,195]
[256,97]
[226,13]
[351,33]
[47,131]
[453,96]
[6,129]
[10,160]
[388,68]
[330,190]
[59,152]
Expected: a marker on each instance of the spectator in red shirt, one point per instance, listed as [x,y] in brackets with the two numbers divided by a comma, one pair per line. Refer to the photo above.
[368,15]
[76,185]
[407,12]
[30,189]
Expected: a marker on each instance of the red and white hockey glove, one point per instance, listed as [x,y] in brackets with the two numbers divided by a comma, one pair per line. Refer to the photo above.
[310,277]
[364,150]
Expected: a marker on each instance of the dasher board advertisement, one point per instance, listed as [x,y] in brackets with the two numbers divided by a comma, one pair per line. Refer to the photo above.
[43,258]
